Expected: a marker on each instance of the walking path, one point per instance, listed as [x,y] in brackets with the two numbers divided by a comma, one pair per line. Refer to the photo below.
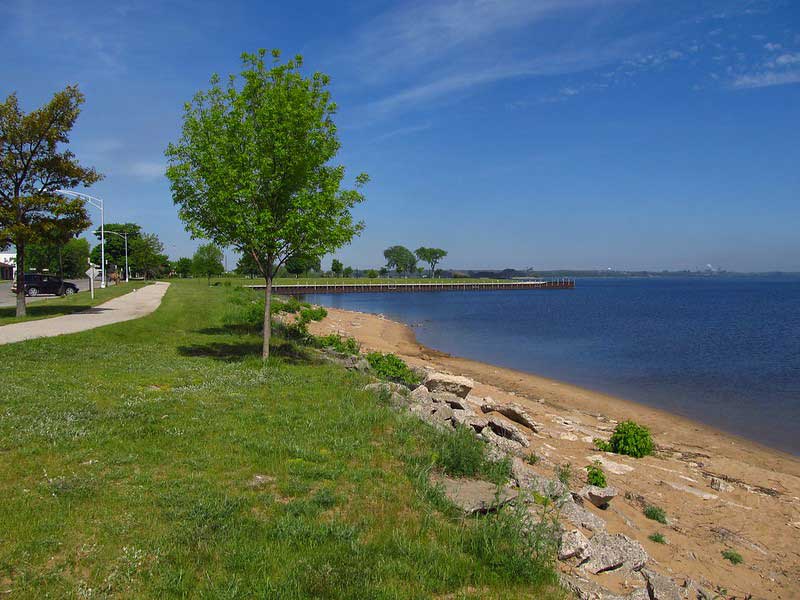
[130,306]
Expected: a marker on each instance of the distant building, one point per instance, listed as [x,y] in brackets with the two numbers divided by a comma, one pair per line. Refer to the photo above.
[8,265]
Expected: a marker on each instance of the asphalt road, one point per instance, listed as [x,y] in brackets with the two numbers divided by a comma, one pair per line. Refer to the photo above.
[9,299]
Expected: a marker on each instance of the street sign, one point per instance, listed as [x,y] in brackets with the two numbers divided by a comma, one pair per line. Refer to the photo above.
[91,272]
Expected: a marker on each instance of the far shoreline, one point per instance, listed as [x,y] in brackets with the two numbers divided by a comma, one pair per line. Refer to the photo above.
[400,338]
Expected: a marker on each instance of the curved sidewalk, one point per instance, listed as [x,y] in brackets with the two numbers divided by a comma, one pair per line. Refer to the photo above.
[125,308]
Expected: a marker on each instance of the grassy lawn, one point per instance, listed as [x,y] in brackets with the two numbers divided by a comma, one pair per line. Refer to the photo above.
[65,305]
[347,280]
[128,461]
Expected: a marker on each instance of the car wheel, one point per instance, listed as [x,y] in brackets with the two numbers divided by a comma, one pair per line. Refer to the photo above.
[32,291]
[69,291]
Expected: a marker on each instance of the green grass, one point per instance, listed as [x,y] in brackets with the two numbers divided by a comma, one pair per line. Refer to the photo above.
[128,454]
[66,305]
[347,280]
[658,538]
[655,513]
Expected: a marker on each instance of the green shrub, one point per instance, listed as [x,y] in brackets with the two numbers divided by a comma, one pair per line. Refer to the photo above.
[312,314]
[595,475]
[655,513]
[389,366]
[460,454]
[564,473]
[629,439]
[532,458]
[658,538]
[732,556]
[346,345]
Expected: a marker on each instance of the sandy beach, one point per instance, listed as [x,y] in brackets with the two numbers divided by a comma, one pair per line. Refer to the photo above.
[719,491]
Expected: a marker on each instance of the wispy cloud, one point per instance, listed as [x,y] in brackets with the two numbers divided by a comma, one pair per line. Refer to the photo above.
[766,79]
[146,170]
[403,131]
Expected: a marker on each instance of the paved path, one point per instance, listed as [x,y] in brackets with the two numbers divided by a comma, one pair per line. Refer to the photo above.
[130,306]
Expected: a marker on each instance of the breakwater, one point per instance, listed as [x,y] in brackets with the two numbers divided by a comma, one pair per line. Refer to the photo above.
[350,288]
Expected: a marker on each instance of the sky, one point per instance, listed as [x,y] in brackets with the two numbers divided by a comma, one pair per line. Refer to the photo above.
[591,134]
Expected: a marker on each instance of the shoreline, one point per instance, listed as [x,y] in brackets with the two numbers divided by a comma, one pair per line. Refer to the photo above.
[402,340]
[720,491]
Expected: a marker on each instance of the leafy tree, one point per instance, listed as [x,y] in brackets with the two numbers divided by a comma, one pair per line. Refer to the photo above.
[432,256]
[69,259]
[247,266]
[337,267]
[253,168]
[182,267]
[372,273]
[207,260]
[300,264]
[147,253]
[32,168]
[348,272]
[400,258]
[384,271]
[115,245]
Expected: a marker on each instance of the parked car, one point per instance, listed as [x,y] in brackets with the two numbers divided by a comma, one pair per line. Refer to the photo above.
[38,283]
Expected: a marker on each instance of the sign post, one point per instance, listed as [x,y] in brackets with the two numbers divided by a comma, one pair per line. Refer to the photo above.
[91,273]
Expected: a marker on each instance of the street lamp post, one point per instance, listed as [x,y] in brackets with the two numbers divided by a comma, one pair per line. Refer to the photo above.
[125,237]
[97,203]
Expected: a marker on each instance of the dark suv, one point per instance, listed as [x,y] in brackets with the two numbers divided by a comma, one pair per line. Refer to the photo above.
[37,283]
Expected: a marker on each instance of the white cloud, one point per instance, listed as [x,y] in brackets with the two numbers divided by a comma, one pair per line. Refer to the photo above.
[772,47]
[146,170]
[411,129]
[766,79]
[788,59]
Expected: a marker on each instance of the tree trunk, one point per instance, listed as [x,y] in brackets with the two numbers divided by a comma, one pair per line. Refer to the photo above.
[21,308]
[267,319]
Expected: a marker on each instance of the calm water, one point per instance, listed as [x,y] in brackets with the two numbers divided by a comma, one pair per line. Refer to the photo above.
[722,351]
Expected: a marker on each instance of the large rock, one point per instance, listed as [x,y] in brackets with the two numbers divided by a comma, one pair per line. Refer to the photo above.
[608,552]
[474,495]
[598,496]
[467,419]
[511,411]
[454,384]
[503,444]
[585,589]
[660,587]
[453,401]
[580,516]
[348,361]
[386,386]
[573,544]
[438,415]
[528,479]
[420,395]
[508,431]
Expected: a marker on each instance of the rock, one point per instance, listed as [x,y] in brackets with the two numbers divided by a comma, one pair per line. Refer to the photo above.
[438,415]
[454,384]
[511,411]
[721,485]
[507,430]
[420,394]
[580,516]
[452,401]
[598,496]
[506,445]
[466,419]
[527,479]
[474,495]
[584,589]
[640,594]
[609,465]
[609,552]
[573,544]
[660,587]
[348,361]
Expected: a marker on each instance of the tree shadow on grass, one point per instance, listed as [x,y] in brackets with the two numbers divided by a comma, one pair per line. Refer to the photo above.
[33,310]
[231,329]
[235,352]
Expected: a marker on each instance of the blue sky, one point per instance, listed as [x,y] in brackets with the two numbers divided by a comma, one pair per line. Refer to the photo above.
[523,133]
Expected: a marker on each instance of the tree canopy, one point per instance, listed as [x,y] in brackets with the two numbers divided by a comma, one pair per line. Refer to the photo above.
[337,267]
[432,256]
[401,259]
[207,261]
[69,259]
[182,267]
[301,264]
[33,166]
[254,169]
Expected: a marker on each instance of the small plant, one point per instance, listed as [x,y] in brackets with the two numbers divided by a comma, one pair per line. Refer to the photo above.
[595,475]
[564,473]
[345,345]
[628,438]
[658,538]
[532,458]
[732,556]
[389,366]
[312,314]
[655,513]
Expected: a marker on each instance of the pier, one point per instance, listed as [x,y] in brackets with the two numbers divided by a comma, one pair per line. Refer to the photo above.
[449,286]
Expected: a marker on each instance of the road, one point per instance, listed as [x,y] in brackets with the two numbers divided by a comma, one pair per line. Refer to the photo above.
[9,299]
[124,308]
